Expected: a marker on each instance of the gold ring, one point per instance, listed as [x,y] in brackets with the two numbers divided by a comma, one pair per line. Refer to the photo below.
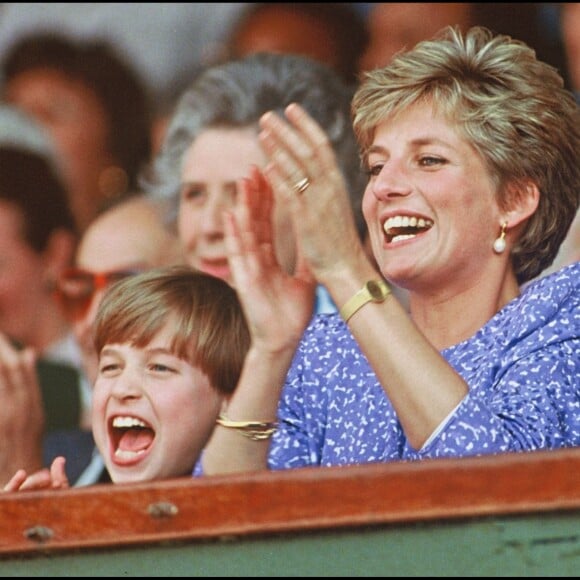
[302,185]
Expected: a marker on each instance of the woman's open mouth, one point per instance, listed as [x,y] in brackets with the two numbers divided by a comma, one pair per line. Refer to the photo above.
[404,227]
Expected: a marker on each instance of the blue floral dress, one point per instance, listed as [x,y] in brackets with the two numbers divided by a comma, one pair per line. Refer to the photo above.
[522,368]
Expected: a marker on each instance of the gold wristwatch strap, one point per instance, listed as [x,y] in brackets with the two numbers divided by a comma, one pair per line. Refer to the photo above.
[372,291]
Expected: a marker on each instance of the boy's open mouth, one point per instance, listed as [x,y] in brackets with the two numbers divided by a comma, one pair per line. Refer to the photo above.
[130,436]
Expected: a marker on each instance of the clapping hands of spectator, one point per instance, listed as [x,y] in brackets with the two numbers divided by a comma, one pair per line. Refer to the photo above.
[22,417]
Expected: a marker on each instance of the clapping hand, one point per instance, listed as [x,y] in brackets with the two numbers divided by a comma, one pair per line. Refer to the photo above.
[278,304]
[22,417]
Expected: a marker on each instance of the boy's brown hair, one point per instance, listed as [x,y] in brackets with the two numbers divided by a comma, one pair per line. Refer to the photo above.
[210,330]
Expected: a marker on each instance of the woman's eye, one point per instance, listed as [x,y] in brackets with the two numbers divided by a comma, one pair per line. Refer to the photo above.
[430,161]
[190,192]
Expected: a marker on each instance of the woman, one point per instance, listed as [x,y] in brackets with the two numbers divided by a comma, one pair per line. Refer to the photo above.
[212,141]
[471,146]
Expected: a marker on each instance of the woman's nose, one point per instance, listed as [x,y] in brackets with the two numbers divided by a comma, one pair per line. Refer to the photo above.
[392,181]
[212,219]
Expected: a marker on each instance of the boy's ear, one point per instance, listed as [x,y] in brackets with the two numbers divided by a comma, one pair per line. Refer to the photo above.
[524,198]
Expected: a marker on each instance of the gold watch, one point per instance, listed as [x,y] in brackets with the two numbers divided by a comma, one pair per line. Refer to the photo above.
[372,291]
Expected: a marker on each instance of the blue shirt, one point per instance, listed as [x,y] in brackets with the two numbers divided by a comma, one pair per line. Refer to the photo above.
[323,303]
[522,369]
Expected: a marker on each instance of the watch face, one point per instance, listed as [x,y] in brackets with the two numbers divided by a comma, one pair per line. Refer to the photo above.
[375,290]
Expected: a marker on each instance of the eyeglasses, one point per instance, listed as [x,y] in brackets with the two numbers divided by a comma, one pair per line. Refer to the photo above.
[76,288]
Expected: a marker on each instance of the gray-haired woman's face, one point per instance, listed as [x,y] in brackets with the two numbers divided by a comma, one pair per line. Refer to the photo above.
[212,165]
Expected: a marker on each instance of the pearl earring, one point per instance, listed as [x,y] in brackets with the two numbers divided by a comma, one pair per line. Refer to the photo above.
[499,244]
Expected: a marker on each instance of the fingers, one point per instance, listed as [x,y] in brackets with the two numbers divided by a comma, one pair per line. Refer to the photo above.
[11,368]
[297,146]
[21,407]
[23,482]
[55,478]
[16,481]
[248,229]
[58,473]
[317,138]
[262,200]
[17,366]
[286,152]
[262,204]
[322,218]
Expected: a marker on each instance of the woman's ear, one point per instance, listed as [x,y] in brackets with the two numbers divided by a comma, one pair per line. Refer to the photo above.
[524,197]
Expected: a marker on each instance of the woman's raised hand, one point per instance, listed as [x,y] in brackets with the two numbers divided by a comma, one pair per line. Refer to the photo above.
[304,174]
[278,304]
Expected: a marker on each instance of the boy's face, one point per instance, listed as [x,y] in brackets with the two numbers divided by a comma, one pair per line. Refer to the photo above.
[152,411]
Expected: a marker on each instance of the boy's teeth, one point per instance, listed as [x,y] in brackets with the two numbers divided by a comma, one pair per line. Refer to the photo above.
[128,454]
[126,422]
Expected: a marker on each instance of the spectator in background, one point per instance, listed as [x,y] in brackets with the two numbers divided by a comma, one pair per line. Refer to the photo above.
[570,32]
[166,43]
[212,141]
[332,33]
[394,26]
[41,379]
[94,106]
[569,18]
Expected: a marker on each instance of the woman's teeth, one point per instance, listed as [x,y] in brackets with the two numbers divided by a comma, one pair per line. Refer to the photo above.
[403,227]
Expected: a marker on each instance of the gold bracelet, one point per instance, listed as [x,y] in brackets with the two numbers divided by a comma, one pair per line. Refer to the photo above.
[372,291]
[254,430]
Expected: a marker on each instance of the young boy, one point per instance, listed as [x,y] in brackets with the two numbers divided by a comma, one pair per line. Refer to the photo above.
[171,344]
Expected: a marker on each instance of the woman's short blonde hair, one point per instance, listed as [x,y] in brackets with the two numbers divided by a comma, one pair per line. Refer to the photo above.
[511,107]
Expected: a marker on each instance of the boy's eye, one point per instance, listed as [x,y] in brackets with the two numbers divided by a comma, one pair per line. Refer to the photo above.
[374,170]
[161,368]
[108,367]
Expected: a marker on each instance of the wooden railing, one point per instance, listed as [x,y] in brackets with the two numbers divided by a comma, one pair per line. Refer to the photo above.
[305,499]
